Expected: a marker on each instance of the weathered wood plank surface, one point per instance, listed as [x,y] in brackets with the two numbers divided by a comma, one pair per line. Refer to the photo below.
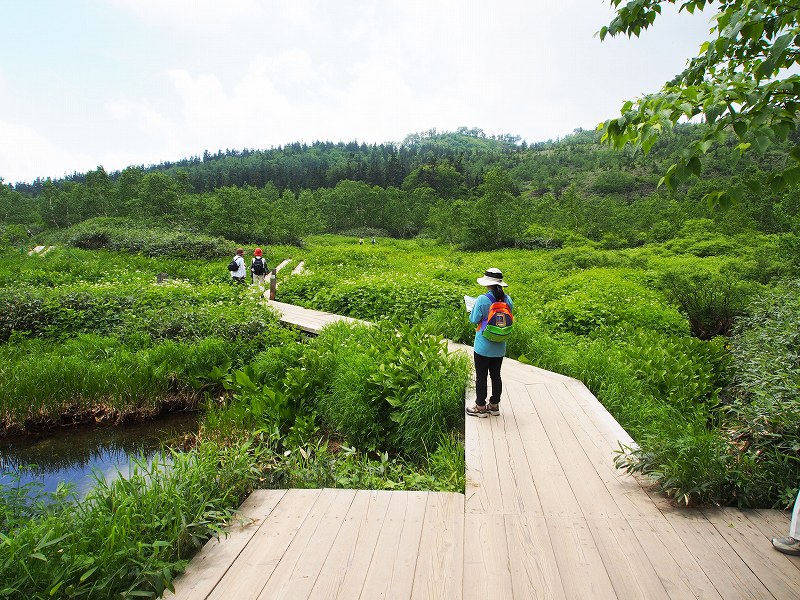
[306,319]
[545,514]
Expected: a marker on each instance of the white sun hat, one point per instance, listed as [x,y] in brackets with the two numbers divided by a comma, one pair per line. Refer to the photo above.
[492,277]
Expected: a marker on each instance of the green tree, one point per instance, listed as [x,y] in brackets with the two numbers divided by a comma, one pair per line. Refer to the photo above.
[441,176]
[128,190]
[158,194]
[99,193]
[492,225]
[16,208]
[741,82]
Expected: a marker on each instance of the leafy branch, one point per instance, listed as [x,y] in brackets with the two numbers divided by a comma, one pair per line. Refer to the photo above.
[733,85]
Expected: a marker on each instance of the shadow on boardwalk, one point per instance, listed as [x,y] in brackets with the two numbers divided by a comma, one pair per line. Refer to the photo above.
[545,515]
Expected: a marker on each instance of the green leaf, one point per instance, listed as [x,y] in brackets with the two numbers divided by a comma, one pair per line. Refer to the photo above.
[791,176]
[694,166]
[718,199]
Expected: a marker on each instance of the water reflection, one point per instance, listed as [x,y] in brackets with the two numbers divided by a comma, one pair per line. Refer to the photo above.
[72,455]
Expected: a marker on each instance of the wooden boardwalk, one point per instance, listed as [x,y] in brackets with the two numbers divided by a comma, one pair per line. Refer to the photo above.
[545,515]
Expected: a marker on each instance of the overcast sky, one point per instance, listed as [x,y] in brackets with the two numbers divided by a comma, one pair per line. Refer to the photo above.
[120,82]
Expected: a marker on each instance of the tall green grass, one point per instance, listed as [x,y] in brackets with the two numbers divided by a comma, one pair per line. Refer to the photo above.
[96,376]
[129,537]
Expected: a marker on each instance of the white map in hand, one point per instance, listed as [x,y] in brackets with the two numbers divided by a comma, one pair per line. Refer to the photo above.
[469,302]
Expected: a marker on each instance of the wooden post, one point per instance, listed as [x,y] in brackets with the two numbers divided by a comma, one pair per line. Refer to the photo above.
[272,284]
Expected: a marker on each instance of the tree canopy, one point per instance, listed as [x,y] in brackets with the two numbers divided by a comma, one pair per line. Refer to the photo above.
[742,84]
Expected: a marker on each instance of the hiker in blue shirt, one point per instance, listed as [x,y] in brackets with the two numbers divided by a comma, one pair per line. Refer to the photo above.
[488,355]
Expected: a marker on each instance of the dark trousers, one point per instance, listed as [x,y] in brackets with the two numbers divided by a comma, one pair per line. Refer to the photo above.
[486,365]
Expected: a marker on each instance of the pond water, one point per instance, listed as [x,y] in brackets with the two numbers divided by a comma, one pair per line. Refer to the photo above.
[73,454]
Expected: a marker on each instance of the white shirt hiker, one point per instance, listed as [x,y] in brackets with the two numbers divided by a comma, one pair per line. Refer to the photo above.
[242,271]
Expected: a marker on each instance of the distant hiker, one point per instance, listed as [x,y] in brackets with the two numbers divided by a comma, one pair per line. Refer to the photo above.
[373,241]
[237,268]
[488,354]
[258,267]
[360,241]
[790,544]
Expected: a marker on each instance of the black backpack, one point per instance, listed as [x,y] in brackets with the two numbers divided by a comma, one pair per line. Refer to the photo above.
[258,266]
[233,265]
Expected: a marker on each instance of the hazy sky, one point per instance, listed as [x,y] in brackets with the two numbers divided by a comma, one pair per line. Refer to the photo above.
[119,82]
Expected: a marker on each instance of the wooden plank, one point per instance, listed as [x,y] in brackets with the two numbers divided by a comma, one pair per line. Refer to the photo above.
[580,566]
[526,374]
[344,571]
[487,572]
[679,572]
[282,265]
[727,571]
[258,560]
[484,483]
[439,571]
[476,498]
[518,488]
[534,570]
[774,569]
[391,572]
[212,562]
[531,371]
[605,422]
[772,522]
[554,491]
[626,562]
[297,571]
[629,496]
[591,493]
[508,491]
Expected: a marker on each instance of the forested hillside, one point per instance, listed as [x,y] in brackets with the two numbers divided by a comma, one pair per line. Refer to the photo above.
[462,188]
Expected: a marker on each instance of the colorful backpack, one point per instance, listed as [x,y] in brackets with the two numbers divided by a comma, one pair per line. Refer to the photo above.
[499,324]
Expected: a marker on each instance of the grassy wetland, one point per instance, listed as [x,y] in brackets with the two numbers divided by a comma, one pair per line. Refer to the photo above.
[680,318]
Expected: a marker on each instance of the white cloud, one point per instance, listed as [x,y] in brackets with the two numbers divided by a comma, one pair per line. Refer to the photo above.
[182,77]
[148,121]
[26,154]
[203,15]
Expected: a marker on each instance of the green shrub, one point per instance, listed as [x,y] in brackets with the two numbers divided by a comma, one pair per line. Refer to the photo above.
[679,370]
[157,239]
[378,298]
[385,386]
[711,303]
[764,418]
[451,323]
[688,461]
[702,237]
[596,299]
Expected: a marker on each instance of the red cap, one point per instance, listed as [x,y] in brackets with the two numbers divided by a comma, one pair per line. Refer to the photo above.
[257,252]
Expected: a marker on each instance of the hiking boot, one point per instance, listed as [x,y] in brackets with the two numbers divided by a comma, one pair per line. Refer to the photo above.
[476,410]
[787,545]
[494,409]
